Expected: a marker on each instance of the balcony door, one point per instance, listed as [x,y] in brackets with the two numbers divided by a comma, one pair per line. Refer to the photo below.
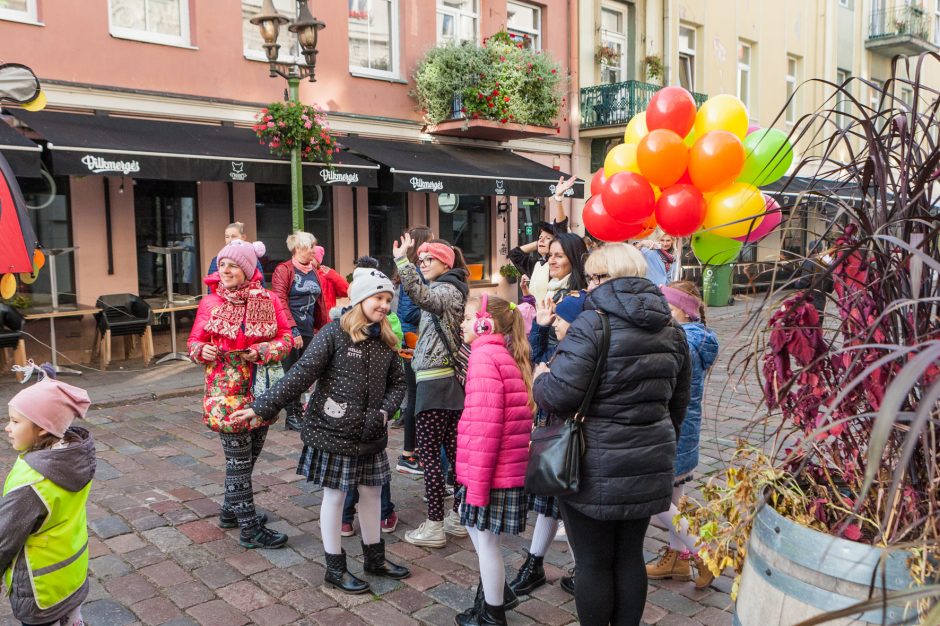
[615,30]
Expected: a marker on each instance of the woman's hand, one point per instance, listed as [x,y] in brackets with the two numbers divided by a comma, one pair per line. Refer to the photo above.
[541,368]
[545,311]
[251,356]
[244,415]
[210,352]
[402,248]
[563,186]
[298,342]
[524,285]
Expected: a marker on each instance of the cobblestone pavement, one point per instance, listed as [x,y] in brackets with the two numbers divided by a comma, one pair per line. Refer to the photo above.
[157,556]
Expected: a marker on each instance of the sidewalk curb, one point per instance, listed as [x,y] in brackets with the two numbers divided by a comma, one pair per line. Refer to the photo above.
[148,397]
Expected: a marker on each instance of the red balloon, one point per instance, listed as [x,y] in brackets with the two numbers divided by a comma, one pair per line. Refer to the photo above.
[680,210]
[672,108]
[602,226]
[597,182]
[628,197]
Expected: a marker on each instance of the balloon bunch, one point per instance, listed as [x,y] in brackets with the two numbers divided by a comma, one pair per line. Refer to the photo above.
[684,170]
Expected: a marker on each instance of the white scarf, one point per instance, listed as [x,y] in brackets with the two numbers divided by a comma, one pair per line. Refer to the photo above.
[538,281]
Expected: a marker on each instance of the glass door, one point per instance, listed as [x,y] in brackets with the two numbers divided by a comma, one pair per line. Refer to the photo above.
[165,215]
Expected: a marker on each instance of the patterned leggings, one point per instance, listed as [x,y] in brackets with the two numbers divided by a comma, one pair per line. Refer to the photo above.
[434,429]
[241,451]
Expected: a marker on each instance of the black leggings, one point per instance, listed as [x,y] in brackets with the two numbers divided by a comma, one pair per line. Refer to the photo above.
[436,428]
[611,574]
[408,415]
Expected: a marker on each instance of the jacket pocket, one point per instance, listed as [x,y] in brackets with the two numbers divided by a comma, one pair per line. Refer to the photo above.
[373,427]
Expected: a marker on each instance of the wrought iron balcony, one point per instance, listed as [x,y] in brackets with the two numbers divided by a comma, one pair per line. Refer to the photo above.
[616,104]
[901,30]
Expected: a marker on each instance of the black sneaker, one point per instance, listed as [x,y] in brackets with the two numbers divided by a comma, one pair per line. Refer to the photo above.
[227,519]
[409,465]
[261,537]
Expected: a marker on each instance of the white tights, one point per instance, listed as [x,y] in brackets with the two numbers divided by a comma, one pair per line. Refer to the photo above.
[678,539]
[543,534]
[492,568]
[331,517]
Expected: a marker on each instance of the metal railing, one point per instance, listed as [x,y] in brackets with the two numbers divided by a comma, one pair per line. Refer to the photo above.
[616,104]
[903,20]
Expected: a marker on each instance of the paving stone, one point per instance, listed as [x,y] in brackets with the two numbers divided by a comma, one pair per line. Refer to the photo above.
[192,557]
[408,600]
[652,613]
[180,517]
[148,522]
[108,567]
[308,601]
[381,612]
[455,597]
[719,600]
[125,543]
[274,615]
[166,539]
[202,531]
[435,615]
[156,611]
[217,575]
[144,557]
[421,579]
[249,562]
[204,507]
[217,613]
[345,600]
[282,557]
[130,589]
[189,594]
[277,582]
[180,621]
[674,603]
[107,527]
[544,613]
[712,616]
[105,471]
[107,613]
[226,547]
[166,574]
[336,617]
[245,596]
[677,620]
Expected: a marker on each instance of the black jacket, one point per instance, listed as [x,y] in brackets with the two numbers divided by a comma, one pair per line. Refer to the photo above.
[355,383]
[632,424]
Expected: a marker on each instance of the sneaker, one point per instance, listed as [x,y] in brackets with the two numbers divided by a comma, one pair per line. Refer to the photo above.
[670,565]
[429,534]
[261,537]
[390,523]
[347,530]
[452,525]
[409,465]
[560,534]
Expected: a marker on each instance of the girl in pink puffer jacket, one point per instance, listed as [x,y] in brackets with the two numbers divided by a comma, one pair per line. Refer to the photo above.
[493,444]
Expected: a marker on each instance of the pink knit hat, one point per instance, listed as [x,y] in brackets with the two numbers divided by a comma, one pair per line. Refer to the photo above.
[52,405]
[318,253]
[441,252]
[244,253]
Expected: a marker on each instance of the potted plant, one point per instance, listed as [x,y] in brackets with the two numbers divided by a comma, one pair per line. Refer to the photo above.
[654,67]
[837,507]
[607,55]
[510,272]
[287,125]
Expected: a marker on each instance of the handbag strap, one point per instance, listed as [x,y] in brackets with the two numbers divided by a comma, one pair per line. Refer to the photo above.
[445,338]
[598,370]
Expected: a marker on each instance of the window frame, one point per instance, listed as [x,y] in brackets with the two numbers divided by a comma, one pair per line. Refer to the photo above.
[842,77]
[488,206]
[284,55]
[874,98]
[184,40]
[792,81]
[457,14]
[688,55]
[534,36]
[28,16]
[622,37]
[394,49]
[936,22]
[745,70]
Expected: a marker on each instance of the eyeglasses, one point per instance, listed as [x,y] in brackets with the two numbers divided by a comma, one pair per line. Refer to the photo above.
[425,260]
[597,278]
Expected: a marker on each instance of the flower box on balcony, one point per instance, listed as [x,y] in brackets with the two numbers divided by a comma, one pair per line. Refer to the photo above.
[489,129]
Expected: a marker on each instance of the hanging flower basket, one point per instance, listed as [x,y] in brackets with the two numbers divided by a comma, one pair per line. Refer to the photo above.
[284,126]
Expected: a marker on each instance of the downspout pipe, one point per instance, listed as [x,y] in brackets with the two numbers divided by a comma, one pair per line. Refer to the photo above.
[667,40]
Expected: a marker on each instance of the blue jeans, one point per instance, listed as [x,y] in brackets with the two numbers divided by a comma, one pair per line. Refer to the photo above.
[352,498]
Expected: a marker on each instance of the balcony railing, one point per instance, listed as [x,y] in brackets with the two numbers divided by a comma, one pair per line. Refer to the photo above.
[616,104]
[901,30]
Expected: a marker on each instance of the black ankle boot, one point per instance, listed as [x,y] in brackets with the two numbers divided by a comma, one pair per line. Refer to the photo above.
[487,615]
[376,563]
[510,601]
[531,576]
[338,576]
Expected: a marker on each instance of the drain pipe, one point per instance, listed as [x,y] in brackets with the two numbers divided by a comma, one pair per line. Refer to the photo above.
[667,39]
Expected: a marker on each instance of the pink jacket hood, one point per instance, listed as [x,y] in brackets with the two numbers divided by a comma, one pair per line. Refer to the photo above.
[493,432]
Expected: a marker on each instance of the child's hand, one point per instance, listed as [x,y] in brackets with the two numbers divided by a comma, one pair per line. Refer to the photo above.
[524,284]
[251,356]
[545,312]
[541,368]
[400,250]
[210,352]
[246,415]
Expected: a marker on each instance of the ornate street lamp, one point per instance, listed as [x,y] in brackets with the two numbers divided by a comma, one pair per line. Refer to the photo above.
[306,28]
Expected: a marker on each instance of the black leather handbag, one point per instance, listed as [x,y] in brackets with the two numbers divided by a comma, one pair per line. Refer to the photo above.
[555,450]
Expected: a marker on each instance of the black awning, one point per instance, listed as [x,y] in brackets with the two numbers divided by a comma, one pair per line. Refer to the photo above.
[445,168]
[814,188]
[83,145]
[21,153]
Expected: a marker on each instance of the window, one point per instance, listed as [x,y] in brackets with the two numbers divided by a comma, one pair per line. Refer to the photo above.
[530,212]
[936,22]
[843,103]
[613,38]
[687,57]
[907,98]
[457,21]
[251,36]
[387,221]
[373,37]
[744,73]
[793,66]
[844,3]
[468,228]
[18,10]
[156,21]
[53,230]
[165,215]
[524,23]
[875,90]
[273,220]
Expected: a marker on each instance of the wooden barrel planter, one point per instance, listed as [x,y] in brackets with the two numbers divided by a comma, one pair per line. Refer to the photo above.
[793,573]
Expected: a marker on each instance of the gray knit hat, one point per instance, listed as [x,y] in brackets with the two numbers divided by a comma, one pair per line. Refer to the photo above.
[366,283]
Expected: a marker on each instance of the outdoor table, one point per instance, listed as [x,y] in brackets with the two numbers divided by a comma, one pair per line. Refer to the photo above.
[170,306]
[56,311]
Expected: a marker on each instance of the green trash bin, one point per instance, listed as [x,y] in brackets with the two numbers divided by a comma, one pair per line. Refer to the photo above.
[716,284]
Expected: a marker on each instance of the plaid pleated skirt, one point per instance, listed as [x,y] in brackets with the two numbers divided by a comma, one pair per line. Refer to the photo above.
[338,471]
[546,505]
[505,513]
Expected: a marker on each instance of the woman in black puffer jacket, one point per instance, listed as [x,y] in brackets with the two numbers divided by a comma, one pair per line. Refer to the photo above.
[630,429]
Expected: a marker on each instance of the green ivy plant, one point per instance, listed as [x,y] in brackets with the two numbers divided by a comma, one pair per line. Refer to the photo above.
[286,125]
[503,80]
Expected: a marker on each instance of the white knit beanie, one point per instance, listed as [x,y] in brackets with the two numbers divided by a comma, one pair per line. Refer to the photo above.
[366,283]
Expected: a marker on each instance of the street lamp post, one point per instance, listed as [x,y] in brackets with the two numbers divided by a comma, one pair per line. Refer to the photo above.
[306,28]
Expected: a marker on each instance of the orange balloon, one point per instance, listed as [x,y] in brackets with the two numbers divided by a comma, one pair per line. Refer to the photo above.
[715,160]
[621,158]
[39,259]
[662,157]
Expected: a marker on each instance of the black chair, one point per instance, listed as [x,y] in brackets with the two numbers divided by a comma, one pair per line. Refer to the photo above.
[11,335]
[123,315]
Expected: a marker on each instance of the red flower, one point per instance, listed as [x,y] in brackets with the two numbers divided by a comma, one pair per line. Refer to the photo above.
[852,532]
[496,92]
[491,105]
[502,58]
[506,99]
[503,121]
[554,71]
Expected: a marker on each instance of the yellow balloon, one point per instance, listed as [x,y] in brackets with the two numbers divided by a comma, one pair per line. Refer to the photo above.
[28,278]
[738,201]
[689,140]
[636,129]
[656,193]
[39,259]
[621,158]
[36,104]
[722,112]
[7,286]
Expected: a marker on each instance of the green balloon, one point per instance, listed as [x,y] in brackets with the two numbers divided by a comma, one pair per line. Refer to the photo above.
[711,249]
[768,155]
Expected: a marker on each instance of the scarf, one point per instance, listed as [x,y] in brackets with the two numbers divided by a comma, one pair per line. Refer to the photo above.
[557,284]
[306,268]
[250,305]
[538,280]
[667,258]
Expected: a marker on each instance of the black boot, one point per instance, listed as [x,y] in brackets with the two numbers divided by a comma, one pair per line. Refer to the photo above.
[374,562]
[260,536]
[531,576]
[567,583]
[228,519]
[487,615]
[510,601]
[338,576]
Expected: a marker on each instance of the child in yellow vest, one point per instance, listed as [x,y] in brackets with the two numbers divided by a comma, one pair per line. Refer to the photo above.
[43,527]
